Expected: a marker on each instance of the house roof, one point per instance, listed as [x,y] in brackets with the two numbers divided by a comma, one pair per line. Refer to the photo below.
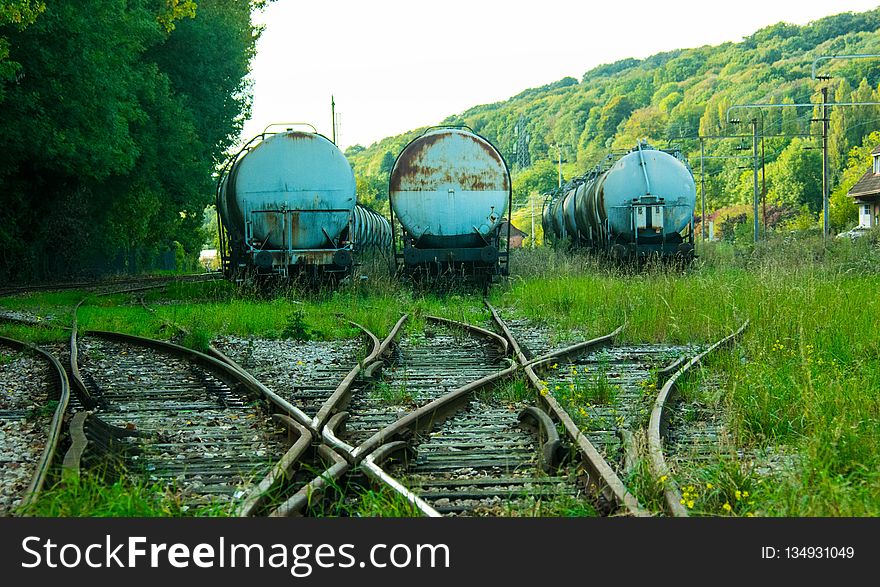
[868,185]
[514,231]
[876,150]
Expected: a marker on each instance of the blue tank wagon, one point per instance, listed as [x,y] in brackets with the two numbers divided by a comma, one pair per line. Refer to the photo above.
[287,206]
[450,190]
[641,206]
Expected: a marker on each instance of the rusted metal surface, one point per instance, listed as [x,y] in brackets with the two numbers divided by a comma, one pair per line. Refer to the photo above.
[372,466]
[341,396]
[642,205]
[257,388]
[281,471]
[659,414]
[540,423]
[431,414]
[602,477]
[291,187]
[312,493]
[448,183]
[499,340]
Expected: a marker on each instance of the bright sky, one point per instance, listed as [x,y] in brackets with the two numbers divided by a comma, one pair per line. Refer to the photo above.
[395,65]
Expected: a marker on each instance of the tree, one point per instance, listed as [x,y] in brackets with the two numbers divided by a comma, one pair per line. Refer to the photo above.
[797,176]
[114,129]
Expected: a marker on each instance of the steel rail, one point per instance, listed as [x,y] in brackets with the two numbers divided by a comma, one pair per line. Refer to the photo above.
[54,432]
[601,475]
[314,490]
[292,418]
[659,418]
[159,280]
[499,340]
[372,467]
[234,376]
[369,455]
[281,471]
[342,395]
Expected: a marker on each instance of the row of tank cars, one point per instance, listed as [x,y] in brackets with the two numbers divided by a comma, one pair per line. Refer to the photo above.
[288,207]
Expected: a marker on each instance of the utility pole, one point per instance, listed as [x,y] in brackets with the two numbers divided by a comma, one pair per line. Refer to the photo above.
[559,155]
[825,178]
[763,183]
[532,239]
[702,194]
[333,117]
[755,171]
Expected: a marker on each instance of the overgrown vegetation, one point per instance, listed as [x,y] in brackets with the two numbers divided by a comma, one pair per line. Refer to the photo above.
[113,117]
[670,98]
[100,495]
[801,382]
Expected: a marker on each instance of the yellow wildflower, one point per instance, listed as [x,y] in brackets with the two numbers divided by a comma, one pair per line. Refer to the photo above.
[709,486]
[663,478]
[726,507]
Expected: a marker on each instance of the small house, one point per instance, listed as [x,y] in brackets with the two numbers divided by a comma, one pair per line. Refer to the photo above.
[866,193]
[516,235]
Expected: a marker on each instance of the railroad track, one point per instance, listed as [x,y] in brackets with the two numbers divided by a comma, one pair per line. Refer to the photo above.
[416,371]
[700,441]
[305,373]
[485,454]
[34,394]
[109,285]
[173,415]
[608,392]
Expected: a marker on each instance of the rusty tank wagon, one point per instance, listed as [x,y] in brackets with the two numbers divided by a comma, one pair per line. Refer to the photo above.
[449,192]
[287,207]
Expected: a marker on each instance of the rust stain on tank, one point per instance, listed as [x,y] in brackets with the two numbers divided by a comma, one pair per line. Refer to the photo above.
[296,135]
[413,172]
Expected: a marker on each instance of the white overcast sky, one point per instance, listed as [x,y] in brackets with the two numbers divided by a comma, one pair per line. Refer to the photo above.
[397,65]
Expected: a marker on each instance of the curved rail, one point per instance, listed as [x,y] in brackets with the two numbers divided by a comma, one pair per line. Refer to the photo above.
[374,450]
[601,475]
[54,432]
[342,395]
[287,414]
[659,416]
[281,471]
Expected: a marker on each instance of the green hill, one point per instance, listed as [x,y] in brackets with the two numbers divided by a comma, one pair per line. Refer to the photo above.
[671,98]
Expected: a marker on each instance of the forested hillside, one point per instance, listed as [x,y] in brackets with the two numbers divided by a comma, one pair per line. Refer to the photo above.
[672,98]
[113,118]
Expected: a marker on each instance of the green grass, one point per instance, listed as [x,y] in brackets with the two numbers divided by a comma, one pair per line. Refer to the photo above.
[803,380]
[381,503]
[806,374]
[97,495]
[395,395]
